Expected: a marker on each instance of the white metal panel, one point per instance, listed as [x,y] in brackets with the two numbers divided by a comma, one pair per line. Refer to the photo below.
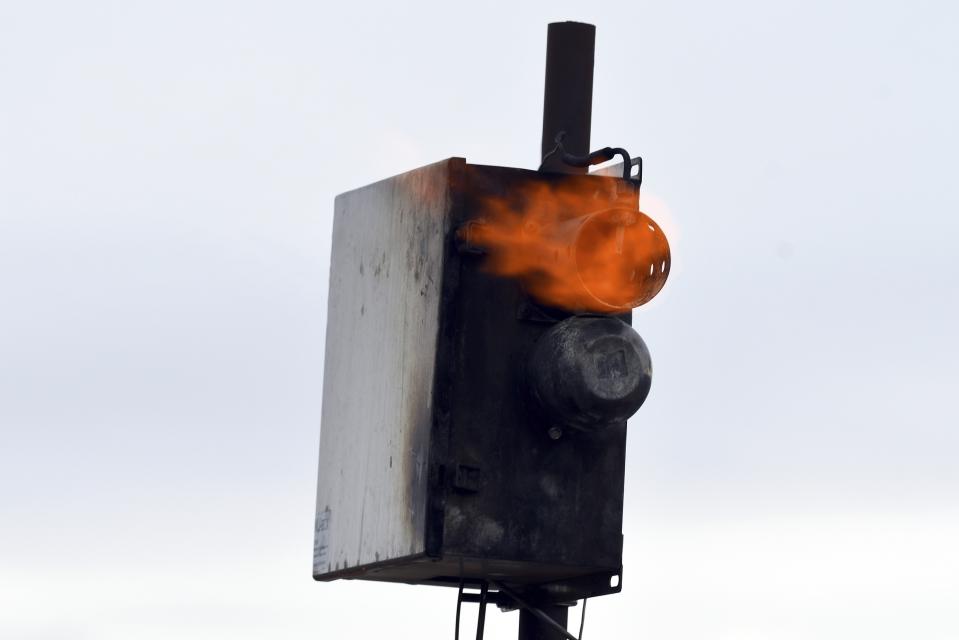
[383,319]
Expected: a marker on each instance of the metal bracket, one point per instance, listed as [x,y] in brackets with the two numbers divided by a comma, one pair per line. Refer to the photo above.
[616,170]
[482,598]
[623,170]
[467,478]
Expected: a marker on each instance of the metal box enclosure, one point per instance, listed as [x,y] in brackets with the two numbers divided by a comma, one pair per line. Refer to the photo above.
[433,468]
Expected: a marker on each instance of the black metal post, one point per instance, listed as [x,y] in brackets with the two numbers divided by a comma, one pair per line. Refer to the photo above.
[567,107]
[532,628]
[568,99]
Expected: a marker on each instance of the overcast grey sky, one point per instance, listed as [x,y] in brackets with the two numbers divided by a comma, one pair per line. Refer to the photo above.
[167,174]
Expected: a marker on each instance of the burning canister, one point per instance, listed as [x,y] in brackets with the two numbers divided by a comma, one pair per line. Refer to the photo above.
[607,261]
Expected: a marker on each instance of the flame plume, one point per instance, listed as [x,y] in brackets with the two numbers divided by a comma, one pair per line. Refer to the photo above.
[572,244]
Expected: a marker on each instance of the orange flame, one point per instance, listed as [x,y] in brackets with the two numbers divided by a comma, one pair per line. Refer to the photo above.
[580,244]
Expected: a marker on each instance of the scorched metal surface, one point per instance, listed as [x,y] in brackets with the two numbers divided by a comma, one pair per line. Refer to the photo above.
[435,463]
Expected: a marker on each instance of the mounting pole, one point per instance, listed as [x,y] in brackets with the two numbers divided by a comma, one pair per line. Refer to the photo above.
[568,99]
[532,628]
[567,106]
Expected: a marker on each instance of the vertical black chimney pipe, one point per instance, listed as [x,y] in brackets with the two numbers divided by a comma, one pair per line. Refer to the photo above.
[568,108]
[568,99]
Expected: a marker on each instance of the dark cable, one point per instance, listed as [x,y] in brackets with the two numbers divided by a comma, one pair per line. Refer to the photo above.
[582,619]
[481,621]
[459,603]
[627,161]
[596,157]
[559,147]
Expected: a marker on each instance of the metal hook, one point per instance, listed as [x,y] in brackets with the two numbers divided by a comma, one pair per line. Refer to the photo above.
[596,157]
